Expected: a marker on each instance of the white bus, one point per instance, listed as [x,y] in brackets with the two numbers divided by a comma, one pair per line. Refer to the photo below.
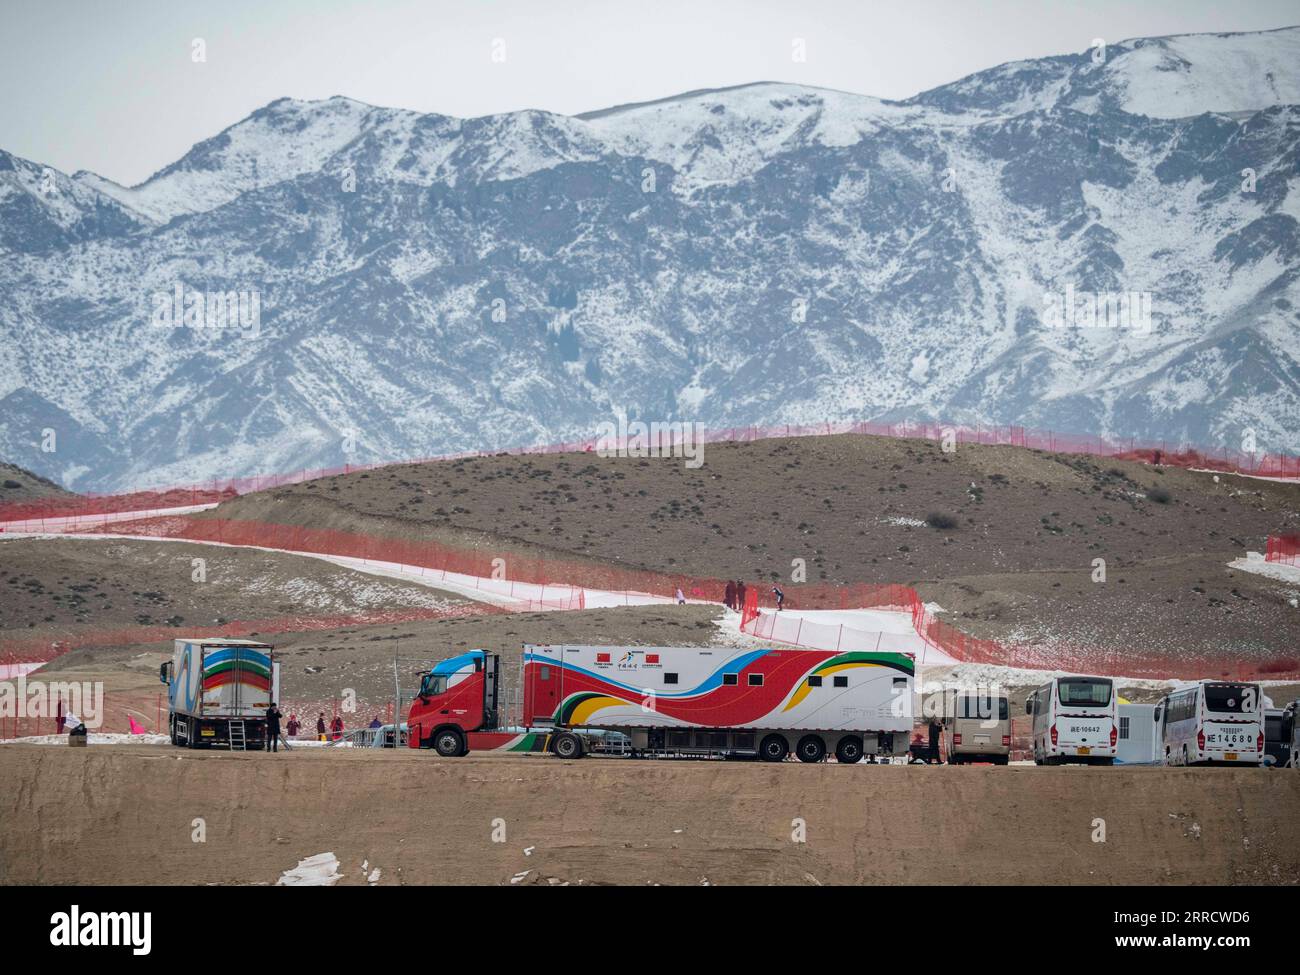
[1213,722]
[1075,720]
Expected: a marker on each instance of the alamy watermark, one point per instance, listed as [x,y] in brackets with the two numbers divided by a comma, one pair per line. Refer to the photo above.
[1126,310]
[23,698]
[674,438]
[218,310]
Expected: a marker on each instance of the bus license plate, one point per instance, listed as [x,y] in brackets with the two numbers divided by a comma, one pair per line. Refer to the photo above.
[1229,756]
[1084,750]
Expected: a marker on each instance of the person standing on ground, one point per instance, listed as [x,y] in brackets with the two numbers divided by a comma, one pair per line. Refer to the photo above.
[273,728]
[681,597]
[779,596]
[936,732]
[730,595]
[375,722]
[336,726]
[293,726]
[740,595]
[320,726]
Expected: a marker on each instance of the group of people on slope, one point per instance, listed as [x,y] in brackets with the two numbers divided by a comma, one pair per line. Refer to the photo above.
[734,596]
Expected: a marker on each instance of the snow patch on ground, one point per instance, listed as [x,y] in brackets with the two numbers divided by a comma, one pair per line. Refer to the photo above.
[320,870]
[93,738]
[1281,571]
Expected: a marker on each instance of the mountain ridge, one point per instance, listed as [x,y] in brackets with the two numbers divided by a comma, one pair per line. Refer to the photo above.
[767,253]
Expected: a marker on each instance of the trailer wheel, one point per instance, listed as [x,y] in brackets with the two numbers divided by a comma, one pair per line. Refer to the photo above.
[568,745]
[773,748]
[810,749]
[449,743]
[849,750]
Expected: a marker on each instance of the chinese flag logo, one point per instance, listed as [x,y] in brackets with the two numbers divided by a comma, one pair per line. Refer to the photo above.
[602,658]
[652,658]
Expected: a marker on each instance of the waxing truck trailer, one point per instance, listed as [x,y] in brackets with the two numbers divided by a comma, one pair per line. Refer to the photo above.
[218,691]
[763,703]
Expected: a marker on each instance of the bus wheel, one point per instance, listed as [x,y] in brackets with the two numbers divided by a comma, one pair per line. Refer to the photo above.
[773,748]
[568,745]
[449,743]
[1186,763]
[849,750]
[810,749]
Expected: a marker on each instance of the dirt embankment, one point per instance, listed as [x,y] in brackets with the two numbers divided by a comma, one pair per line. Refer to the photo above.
[129,815]
[59,587]
[19,484]
[1016,563]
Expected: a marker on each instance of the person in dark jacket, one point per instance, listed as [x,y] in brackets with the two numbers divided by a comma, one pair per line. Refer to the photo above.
[320,726]
[779,596]
[273,728]
[730,599]
[936,732]
[740,595]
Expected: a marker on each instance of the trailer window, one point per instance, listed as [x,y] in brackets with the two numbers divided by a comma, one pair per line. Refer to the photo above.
[729,680]
[670,678]
[546,673]
[841,680]
[1084,692]
[1228,698]
[814,682]
[755,680]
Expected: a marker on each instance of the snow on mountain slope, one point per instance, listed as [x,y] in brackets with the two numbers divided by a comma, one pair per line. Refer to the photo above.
[429,284]
[1160,77]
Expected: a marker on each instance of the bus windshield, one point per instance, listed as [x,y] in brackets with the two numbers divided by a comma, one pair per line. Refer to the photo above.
[1229,698]
[1084,692]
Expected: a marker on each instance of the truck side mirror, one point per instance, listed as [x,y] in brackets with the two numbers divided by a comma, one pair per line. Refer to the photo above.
[1029,706]
[165,673]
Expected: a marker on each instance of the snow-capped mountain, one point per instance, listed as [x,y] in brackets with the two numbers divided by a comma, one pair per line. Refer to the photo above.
[416,284]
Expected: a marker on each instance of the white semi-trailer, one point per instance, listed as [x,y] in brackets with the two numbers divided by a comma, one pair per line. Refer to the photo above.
[218,692]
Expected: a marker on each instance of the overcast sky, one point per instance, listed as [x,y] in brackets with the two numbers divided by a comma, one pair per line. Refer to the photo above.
[112,86]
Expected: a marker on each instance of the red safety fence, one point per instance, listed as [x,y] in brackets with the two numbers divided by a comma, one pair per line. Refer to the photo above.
[1284,549]
[530,582]
[1175,455]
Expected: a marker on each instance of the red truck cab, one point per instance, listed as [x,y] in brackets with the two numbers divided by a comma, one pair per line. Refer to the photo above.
[457,698]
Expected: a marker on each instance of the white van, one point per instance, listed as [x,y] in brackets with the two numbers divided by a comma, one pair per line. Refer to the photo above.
[1075,720]
[1213,723]
[977,728]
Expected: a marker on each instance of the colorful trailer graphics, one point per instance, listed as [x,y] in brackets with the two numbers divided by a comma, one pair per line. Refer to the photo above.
[694,687]
[214,682]
[683,700]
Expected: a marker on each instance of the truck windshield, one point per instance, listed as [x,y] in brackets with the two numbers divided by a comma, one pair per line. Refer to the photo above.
[1229,698]
[433,684]
[1085,692]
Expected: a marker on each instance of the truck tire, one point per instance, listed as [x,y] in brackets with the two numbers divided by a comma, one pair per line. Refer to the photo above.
[449,743]
[810,749]
[567,745]
[849,750]
[773,748]
[192,730]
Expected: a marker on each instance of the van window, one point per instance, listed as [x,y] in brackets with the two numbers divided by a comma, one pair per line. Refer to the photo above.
[1228,698]
[982,706]
[1084,692]
[729,680]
